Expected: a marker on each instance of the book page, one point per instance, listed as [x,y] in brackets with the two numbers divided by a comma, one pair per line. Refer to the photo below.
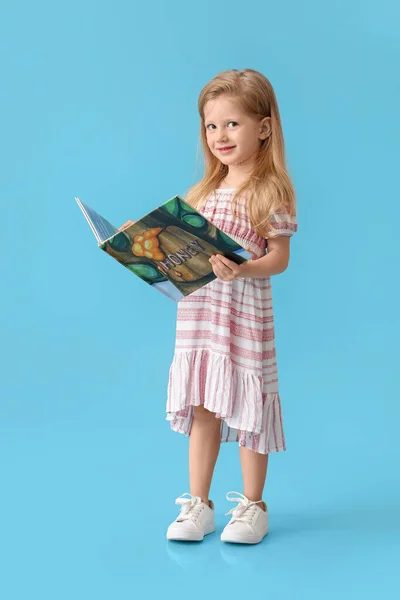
[101,228]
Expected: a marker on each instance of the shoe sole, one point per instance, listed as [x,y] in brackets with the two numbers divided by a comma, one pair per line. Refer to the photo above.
[189,536]
[242,539]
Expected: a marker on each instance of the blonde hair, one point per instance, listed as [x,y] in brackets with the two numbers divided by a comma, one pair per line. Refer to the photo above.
[269,188]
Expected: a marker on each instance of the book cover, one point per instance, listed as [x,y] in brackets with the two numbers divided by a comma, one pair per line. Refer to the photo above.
[169,248]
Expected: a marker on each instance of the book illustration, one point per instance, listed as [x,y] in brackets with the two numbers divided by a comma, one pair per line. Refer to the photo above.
[169,248]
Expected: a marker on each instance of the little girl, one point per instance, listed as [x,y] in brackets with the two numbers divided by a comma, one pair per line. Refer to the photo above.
[223,383]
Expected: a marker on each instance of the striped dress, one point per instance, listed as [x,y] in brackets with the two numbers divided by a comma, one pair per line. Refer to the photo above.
[224,353]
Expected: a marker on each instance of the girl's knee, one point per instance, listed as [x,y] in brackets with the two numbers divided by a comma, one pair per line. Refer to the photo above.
[202,414]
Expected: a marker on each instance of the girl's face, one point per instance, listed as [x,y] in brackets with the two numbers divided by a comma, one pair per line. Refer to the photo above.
[232,135]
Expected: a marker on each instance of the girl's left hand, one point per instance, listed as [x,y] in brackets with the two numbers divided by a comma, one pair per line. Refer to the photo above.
[224,268]
[126,225]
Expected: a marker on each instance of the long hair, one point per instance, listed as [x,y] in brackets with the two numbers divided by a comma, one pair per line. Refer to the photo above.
[269,188]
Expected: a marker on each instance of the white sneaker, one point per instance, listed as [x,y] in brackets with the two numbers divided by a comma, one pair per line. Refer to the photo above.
[195,520]
[249,522]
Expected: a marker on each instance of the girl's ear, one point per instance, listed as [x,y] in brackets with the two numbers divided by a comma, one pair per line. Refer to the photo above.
[265,128]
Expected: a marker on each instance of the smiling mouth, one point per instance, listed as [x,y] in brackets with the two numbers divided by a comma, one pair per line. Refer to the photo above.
[225,148]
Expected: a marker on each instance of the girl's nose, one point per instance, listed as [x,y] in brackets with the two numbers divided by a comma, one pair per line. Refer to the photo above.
[222,137]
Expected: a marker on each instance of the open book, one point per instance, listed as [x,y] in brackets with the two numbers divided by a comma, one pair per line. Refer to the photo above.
[169,248]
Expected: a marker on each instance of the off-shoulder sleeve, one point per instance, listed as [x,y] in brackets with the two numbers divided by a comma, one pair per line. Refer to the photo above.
[283,224]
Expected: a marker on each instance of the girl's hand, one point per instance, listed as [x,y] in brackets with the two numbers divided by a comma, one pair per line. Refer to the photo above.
[126,225]
[224,268]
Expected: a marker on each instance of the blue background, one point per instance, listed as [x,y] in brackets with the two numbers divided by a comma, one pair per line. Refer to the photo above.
[99,101]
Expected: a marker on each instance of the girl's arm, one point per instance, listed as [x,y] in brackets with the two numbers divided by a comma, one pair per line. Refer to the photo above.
[273,263]
[276,261]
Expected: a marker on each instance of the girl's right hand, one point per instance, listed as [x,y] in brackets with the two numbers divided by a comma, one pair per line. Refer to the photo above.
[126,225]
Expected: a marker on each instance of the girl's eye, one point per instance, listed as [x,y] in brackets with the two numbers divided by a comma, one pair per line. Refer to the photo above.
[211,126]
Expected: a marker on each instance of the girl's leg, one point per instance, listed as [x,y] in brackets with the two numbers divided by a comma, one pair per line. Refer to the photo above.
[204,444]
[254,472]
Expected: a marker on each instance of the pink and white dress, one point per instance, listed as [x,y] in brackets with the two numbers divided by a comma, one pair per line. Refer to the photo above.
[225,347]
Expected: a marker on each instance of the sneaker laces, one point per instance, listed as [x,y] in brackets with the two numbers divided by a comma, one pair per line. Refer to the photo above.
[245,509]
[190,507]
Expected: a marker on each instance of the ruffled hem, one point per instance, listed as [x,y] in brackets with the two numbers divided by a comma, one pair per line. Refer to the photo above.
[248,416]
